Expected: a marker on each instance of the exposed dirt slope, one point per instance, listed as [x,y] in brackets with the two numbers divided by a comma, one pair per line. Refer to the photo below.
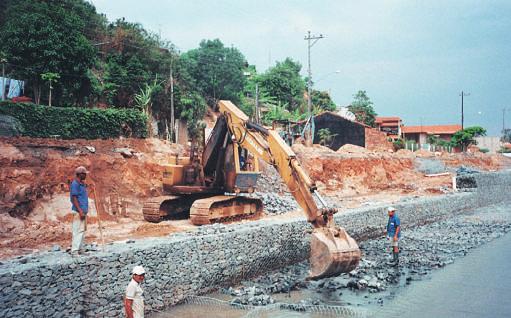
[35,176]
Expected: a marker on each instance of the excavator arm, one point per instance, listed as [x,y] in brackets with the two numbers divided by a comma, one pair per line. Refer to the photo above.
[333,251]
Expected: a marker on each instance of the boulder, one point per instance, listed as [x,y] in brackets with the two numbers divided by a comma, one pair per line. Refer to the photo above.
[10,126]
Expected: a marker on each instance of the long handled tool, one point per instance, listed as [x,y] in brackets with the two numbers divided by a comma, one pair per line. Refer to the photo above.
[98,215]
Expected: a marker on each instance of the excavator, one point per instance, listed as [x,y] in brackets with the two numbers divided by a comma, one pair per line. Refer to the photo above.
[214,184]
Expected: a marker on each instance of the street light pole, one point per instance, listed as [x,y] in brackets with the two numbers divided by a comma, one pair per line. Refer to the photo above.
[309,37]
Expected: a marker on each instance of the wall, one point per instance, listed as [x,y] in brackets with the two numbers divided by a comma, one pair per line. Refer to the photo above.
[491,143]
[55,285]
[376,140]
[345,131]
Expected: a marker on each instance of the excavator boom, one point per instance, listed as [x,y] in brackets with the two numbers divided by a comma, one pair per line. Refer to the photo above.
[333,251]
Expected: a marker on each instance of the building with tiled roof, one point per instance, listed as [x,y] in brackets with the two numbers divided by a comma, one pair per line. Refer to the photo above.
[420,133]
[389,125]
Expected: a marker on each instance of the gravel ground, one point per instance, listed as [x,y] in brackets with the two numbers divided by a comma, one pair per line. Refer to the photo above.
[424,249]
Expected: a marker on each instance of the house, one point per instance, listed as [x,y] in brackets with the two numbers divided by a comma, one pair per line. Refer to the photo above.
[420,134]
[389,125]
[344,131]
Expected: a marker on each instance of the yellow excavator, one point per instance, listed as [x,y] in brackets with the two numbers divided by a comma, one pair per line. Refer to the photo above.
[213,183]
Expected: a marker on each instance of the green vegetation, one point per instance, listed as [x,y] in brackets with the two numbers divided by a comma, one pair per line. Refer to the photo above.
[215,71]
[465,137]
[325,136]
[68,54]
[76,122]
[47,37]
[363,109]
[283,81]
[436,141]
[50,78]
[484,150]
[398,144]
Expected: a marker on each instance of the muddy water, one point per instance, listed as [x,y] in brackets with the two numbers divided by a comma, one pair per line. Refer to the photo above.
[478,285]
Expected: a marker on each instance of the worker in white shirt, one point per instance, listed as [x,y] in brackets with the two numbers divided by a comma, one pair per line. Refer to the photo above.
[134,301]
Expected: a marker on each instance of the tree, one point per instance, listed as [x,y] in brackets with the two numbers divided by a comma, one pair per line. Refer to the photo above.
[215,70]
[284,83]
[51,78]
[144,101]
[363,109]
[275,112]
[325,136]
[192,108]
[323,100]
[46,36]
[464,138]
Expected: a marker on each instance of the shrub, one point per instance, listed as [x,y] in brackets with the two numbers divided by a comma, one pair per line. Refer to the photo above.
[484,150]
[74,122]
[398,144]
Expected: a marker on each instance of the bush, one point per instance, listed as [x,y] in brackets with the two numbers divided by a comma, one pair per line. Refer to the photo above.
[398,144]
[73,122]
[484,150]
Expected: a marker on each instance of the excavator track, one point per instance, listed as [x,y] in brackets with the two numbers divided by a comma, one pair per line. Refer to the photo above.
[153,211]
[224,208]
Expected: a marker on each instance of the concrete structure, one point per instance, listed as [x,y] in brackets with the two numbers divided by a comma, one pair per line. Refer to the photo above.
[390,125]
[493,144]
[420,133]
[55,285]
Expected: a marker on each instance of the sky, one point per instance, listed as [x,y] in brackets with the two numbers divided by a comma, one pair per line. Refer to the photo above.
[413,58]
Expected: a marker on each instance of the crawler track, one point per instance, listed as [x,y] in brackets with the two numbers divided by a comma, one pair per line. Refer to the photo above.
[223,208]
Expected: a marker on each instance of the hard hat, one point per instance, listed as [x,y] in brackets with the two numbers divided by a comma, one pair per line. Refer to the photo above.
[391,208]
[81,169]
[138,270]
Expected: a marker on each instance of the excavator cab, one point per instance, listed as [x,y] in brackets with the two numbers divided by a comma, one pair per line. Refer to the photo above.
[241,170]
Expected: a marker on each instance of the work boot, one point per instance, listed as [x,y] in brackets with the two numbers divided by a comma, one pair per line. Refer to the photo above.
[391,260]
[396,258]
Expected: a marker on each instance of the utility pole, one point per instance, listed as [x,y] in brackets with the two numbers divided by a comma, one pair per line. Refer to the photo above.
[462,115]
[257,120]
[309,37]
[172,117]
[503,120]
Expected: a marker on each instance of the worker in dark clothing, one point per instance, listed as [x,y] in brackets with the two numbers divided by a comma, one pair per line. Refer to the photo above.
[394,234]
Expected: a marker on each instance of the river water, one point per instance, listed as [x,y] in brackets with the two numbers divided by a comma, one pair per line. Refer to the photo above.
[477,285]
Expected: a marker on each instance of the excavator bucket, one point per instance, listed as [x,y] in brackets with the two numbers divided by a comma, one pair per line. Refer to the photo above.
[333,252]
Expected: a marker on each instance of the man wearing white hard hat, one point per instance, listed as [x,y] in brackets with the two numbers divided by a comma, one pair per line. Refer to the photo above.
[79,208]
[394,233]
[134,301]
